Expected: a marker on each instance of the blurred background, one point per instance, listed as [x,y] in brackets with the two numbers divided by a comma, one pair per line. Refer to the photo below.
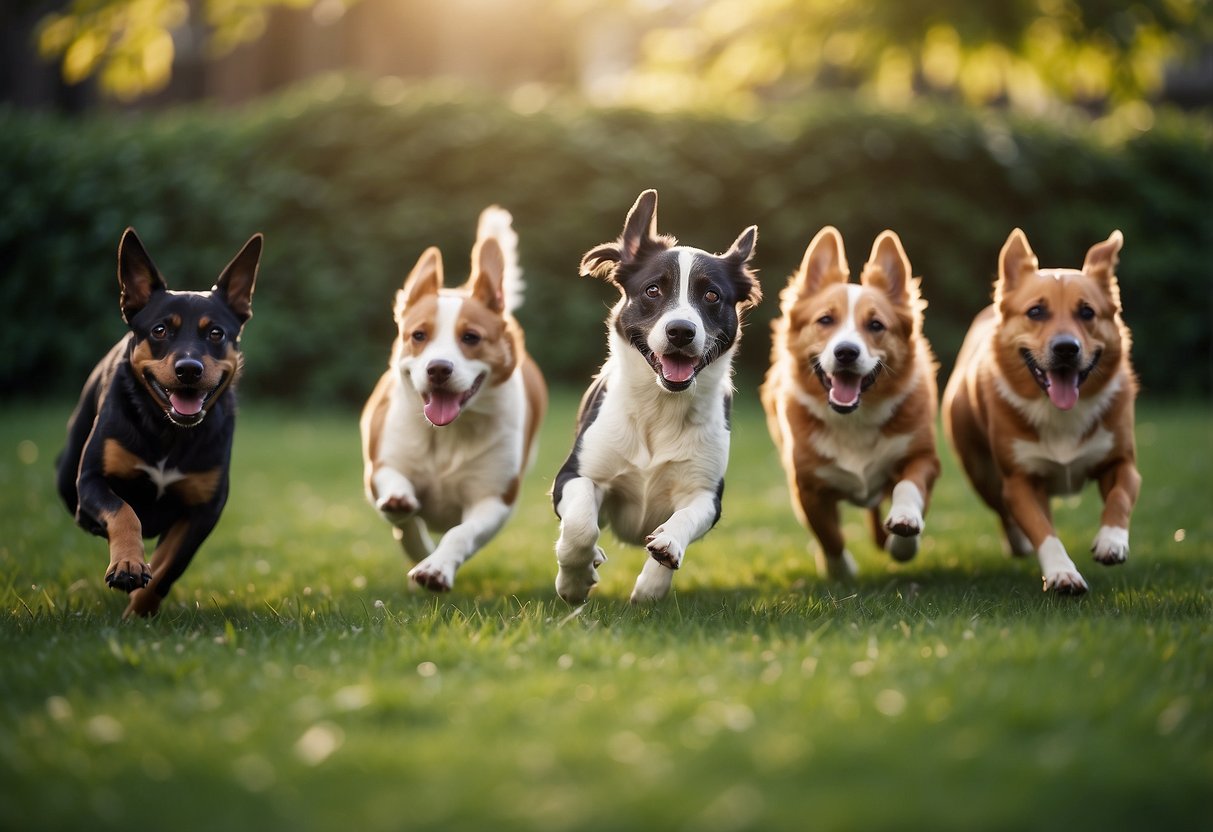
[355,133]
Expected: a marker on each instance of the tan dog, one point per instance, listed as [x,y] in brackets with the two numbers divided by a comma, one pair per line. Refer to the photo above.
[1041,400]
[449,429]
[850,397]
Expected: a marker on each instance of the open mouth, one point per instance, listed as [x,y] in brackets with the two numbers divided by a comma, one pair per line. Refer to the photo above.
[184,406]
[845,388]
[674,370]
[1060,383]
[443,406]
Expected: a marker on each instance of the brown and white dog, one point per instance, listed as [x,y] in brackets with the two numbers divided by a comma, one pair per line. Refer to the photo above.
[850,397]
[1041,400]
[448,431]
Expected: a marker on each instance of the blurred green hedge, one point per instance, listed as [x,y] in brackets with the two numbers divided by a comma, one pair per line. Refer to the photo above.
[351,182]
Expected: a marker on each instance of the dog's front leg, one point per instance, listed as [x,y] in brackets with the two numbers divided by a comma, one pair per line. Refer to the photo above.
[1119,486]
[481,521]
[174,551]
[820,512]
[577,552]
[668,543]
[103,512]
[909,504]
[1028,504]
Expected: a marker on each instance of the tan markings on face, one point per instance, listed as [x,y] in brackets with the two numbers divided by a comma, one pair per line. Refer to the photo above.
[809,332]
[197,489]
[495,346]
[419,317]
[143,363]
[221,371]
[117,461]
[892,345]
[204,324]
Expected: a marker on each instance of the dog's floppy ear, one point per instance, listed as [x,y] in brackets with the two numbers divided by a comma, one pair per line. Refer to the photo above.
[749,293]
[888,268]
[424,279]
[1015,260]
[825,262]
[488,272]
[236,283]
[138,276]
[639,239]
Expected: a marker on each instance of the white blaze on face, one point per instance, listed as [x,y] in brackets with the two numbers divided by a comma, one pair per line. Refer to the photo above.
[846,380]
[678,362]
[443,403]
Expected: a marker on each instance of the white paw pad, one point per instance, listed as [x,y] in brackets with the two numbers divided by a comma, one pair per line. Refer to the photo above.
[397,505]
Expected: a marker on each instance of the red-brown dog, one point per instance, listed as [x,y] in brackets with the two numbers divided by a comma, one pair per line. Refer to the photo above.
[850,397]
[1041,400]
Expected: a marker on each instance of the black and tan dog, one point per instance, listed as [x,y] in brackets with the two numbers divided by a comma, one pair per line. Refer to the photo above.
[149,443]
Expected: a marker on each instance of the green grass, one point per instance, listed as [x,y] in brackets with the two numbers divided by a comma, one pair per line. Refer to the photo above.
[293,681]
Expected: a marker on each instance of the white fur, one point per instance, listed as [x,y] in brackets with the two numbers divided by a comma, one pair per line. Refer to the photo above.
[161,476]
[1111,545]
[683,310]
[498,222]
[1058,571]
[649,466]
[848,332]
[905,512]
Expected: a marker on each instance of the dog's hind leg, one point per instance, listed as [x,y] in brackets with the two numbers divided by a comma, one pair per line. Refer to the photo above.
[480,522]
[414,539]
[577,552]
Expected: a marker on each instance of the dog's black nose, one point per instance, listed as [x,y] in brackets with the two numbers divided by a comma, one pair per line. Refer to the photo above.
[189,370]
[680,333]
[846,353]
[1065,347]
[439,371]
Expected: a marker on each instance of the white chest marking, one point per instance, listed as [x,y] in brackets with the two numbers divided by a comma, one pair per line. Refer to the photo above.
[861,463]
[161,476]
[1063,459]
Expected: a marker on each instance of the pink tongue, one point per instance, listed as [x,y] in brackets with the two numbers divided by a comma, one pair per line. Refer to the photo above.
[844,389]
[1063,389]
[442,408]
[677,368]
[185,404]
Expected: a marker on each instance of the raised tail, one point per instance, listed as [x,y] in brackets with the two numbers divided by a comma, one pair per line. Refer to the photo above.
[498,223]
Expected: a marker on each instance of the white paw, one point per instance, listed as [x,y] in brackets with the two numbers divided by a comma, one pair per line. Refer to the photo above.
[1058,572]
[574,582]
[904,521]
[664,549]
[901,548]
[841,568]
[653,583]
[1111,545]
[435,574]
[1065,582]
[397,506]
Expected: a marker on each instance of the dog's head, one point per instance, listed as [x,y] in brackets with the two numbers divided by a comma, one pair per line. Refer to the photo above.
[857,339]
[1058,327]
[451,342]
[680,307]
[186,349]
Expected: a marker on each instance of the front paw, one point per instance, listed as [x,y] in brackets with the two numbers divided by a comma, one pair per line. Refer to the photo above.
[127,575]
[904,522]
[1064,582]
[397,506]
[1111,545]
[573,583]
[841,568]
[664,549]
[434,575]
[144,603]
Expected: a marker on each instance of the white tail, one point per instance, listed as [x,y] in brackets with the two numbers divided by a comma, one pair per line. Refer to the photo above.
[497,222]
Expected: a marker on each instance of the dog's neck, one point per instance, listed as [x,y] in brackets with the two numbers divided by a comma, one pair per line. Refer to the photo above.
[626,369]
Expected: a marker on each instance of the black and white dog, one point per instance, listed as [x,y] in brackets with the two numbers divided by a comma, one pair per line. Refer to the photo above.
[653,429]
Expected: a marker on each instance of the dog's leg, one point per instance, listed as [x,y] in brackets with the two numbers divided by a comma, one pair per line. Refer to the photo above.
[414,538]
[909,504]
[481,521]
[668,543]
[577,552]
[393,494]
[103,512]
[1017,542]
[821,515]
[1028,504]
[174,551]
[1119,486]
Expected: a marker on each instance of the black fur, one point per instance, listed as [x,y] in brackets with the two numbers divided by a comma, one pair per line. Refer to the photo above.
[587,412]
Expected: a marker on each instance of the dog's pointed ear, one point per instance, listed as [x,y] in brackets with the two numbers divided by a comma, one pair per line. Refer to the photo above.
[888,268]
[424,279]
[639,238]
[1014,261]
[138,276]
[1102,258]
[749,293]
[235,285]
[488,272]
[824,262]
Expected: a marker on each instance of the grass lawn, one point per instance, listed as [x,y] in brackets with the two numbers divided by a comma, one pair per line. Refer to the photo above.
[294,682]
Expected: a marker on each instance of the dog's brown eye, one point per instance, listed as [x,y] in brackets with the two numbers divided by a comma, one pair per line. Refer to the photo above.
[160,332]
[418,335]
[215,335]
[826,320]
[653,291]
[1086,313]
[875,326]
[712,297]
[1037,313]
[471,338]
